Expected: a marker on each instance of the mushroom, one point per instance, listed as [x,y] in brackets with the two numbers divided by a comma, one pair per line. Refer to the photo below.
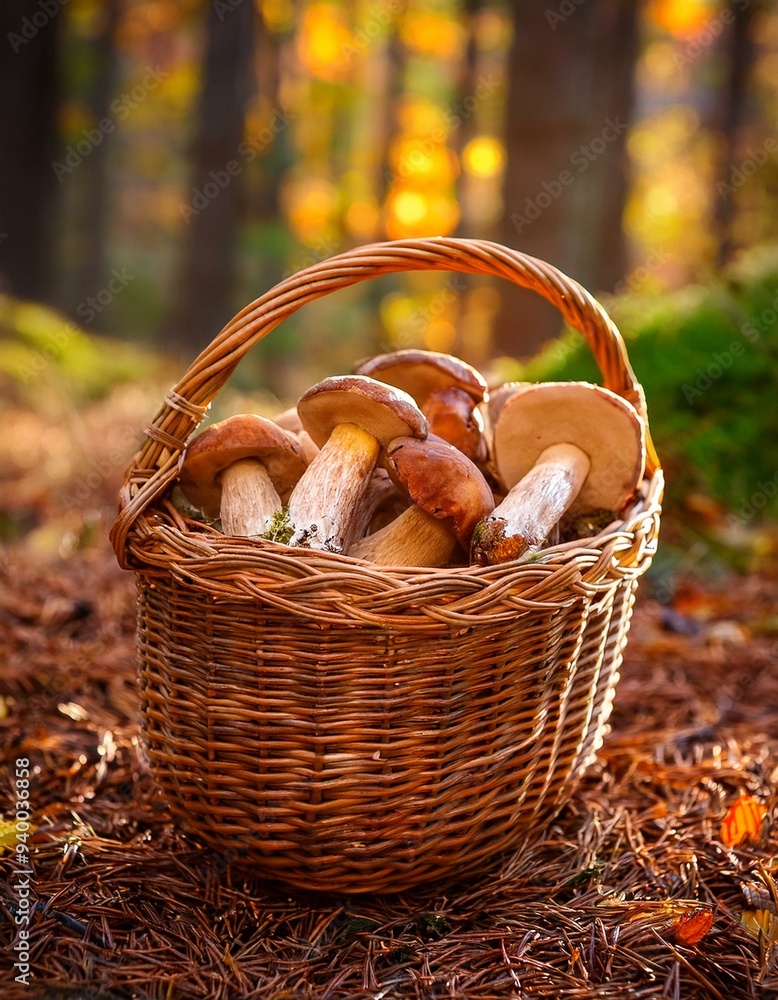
[490,411]
[558,447]
[382,503]
[449,494]
[289,419]
[351,418]
[497,399]
[447,389]
[455,417]
[242,470]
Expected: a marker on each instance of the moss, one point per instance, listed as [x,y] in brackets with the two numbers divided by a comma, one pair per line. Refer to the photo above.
[281,528]
[359,925]
[706,357]
[585,525]
[432,925]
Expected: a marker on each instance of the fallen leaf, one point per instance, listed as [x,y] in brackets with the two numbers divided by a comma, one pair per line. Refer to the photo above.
[691,928]
[743,821]
[7,835]
[761,924]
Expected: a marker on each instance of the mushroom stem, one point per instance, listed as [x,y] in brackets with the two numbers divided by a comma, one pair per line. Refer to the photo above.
[412,539]
[249,499]
[530,510]
[322,505]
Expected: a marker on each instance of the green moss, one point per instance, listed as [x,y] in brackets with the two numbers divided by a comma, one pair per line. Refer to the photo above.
[40,347]
[707,358]
[432,925]
[281,528]
[586,875]
[359,925]
[585,525]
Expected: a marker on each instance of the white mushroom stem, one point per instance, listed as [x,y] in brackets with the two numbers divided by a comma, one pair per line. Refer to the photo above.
[412,539]
[532,507]
[249,500]
[322,506]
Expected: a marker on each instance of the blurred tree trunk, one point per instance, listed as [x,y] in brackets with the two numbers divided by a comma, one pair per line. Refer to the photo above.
[212,204]
[729,117]
[29,192]
[264,196]
[569,105]
[91,273]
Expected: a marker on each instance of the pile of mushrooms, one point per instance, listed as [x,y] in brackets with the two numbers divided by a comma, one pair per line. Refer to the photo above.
[412,461]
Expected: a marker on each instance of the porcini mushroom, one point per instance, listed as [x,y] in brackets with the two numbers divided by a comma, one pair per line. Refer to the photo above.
[449,495]
[558,447]
[381,503]
[454,416]
[351,418]
[447,389]
[242,470]
[289,419]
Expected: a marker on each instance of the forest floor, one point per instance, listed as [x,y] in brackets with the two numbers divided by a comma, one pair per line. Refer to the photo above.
[639,888]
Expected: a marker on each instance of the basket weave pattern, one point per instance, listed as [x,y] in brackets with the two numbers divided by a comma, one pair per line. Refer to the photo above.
[349,727]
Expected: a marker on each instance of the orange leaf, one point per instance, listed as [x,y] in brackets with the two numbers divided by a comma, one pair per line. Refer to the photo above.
[743,821]
[692,927]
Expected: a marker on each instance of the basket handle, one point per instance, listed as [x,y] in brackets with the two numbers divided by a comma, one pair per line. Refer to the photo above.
[156,464]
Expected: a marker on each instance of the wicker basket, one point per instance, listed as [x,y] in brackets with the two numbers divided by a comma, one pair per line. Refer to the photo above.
[340,726]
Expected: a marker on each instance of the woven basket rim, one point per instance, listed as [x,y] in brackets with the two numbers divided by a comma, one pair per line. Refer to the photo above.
[155,467]
[204,538]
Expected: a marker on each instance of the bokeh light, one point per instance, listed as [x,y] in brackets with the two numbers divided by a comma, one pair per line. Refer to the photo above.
[484,156]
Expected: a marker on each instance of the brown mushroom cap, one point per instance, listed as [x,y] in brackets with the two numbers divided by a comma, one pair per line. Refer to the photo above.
[421,373]
[245,435]
[289,419]
[442,481]
[603,425]
[381,410]
[453,416]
